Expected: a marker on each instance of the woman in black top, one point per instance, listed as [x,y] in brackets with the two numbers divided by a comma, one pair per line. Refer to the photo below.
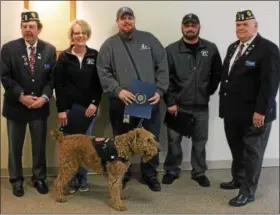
[77,82]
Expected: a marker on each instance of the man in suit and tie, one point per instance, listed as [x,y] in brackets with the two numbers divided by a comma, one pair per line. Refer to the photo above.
[26,75]
[248,89]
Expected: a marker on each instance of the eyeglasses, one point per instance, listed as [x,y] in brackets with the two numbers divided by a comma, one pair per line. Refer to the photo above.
[78,33]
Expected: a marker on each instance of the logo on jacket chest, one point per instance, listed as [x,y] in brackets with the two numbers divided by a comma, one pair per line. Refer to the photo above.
[90,61]
[204,53]
[144,47]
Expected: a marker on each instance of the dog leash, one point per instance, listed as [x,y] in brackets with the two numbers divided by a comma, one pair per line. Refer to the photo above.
[140,123]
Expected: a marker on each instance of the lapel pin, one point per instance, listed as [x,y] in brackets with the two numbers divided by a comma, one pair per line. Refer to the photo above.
[24,58]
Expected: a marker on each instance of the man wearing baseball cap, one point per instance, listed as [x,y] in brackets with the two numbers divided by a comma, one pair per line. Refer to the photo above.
[195,67]
[190,18]
[133,54]
[125,10]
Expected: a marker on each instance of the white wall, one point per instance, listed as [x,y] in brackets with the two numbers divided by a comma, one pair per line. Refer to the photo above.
[10,20]
[10,30]
[163,19]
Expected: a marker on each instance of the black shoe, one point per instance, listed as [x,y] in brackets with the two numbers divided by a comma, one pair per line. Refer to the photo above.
[169,178]
[202,180]
[241,200]
[152,183]
[230,185]
[18,189]
[41,186]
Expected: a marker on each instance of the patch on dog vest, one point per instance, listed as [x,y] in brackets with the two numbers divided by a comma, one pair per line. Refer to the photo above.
[106,151]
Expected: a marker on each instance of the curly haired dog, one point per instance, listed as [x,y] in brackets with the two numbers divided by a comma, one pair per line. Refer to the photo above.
[79,148]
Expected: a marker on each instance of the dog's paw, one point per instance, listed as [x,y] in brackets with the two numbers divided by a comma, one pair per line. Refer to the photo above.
[60,199]
[119,207]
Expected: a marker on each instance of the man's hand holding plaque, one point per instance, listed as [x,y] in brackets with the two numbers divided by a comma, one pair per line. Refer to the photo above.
[155,99]
[126,96]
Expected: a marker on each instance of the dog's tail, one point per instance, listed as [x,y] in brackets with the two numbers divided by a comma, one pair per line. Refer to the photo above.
[58,135]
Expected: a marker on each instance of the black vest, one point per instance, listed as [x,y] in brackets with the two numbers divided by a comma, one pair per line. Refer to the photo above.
[107,151]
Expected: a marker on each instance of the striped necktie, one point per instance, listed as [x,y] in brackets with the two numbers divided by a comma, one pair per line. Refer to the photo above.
[239,53]
[32,58]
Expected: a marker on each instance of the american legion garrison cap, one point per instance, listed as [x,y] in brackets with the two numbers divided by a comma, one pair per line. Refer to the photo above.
[244,15]
[29,16]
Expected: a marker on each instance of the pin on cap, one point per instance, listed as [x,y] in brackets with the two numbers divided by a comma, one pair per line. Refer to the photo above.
[244,15]
[29,16]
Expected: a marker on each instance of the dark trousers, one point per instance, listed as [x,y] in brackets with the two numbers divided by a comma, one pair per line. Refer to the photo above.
[247,144]
[81,174]
[174,155]
[119,127]
[16,136]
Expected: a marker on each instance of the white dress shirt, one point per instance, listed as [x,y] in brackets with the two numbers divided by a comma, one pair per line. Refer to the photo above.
[28,53]
[247,44]
[28,48]
[79,57]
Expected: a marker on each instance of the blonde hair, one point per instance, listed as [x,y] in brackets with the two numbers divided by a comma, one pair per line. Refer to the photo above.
[84,25]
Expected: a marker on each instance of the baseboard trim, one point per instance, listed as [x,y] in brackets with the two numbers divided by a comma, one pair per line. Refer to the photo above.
[186,165]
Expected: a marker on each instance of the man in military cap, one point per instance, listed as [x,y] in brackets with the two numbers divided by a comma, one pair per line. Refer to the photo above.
[145,60]
[190,88]
[250,80]
[26,75]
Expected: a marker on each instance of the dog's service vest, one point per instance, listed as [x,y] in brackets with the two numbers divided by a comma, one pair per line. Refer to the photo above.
[106,151]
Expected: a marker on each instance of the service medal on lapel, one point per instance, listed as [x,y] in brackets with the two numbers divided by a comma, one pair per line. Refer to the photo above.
[25,60]
[250,48]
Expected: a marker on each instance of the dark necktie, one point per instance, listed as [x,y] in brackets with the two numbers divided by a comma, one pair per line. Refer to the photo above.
[239,53]
[32,58]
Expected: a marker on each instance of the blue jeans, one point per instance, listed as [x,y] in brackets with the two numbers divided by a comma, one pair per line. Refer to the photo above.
[81,174]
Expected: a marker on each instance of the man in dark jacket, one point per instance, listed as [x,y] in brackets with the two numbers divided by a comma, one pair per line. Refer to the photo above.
[195,68]
[249,85]
[26,75]
[116,72]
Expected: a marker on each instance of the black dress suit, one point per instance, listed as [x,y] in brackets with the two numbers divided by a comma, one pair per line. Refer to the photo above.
[17,78]
[250,86]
